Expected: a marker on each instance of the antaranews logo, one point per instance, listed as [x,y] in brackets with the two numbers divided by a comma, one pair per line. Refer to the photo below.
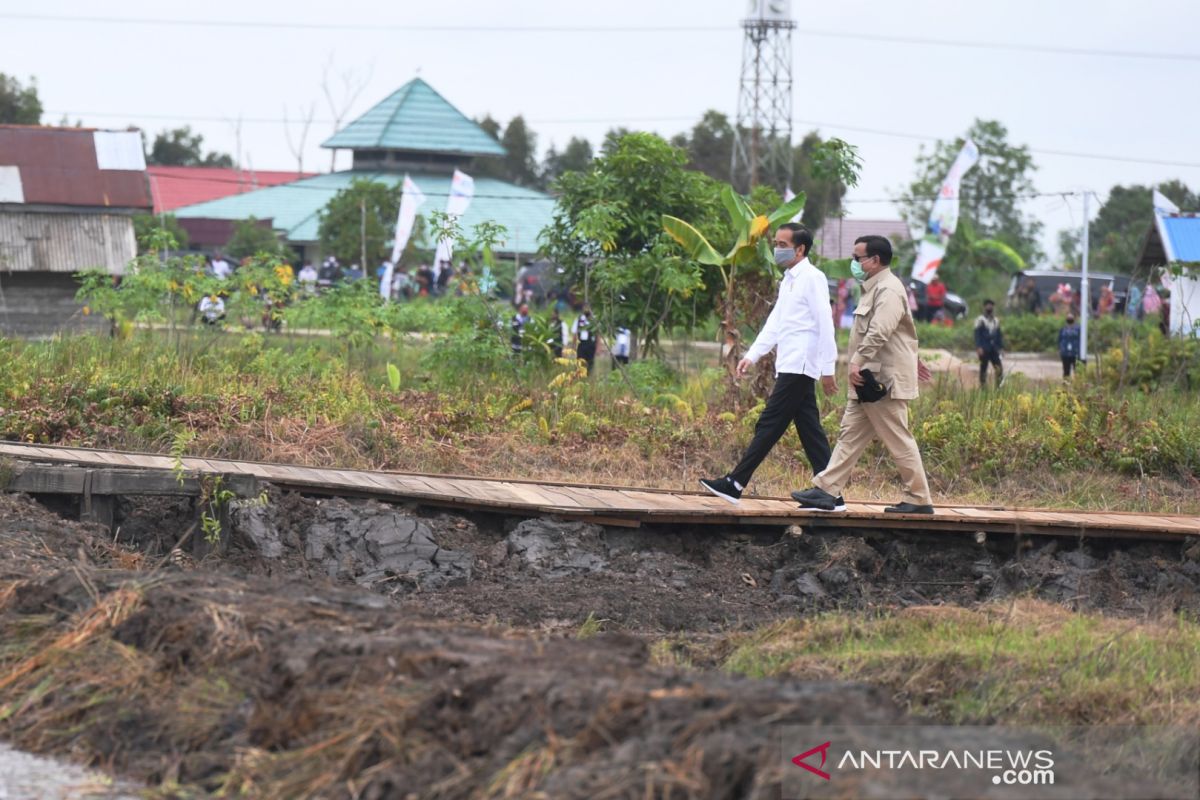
[823,749]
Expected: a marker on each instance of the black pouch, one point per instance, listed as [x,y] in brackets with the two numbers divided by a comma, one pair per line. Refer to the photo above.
[872,389]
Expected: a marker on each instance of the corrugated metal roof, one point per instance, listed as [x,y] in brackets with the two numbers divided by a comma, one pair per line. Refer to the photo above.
[58,167]
[32,241]
[296,207]
[175,187]
[1184,232]
[416,118]
[835,239]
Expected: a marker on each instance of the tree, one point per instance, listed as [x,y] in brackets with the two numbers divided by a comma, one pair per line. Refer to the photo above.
[607,233]
[147,228]
[490,126]
[575,157]
[180,147]
[520,161]
[363,205]
[19,105]
[710,145]
[1115,237]
[815,174]
[991,194]
[251,238]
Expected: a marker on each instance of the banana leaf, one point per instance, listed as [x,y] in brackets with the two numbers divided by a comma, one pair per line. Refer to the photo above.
[736,205]
[693,242]
[786,211]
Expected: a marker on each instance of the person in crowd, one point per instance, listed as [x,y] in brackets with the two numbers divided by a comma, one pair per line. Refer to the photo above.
[329,274]
[212,309]
[1068,345]
[935,300]
[353,274]
[221,269]
[884,370]
[989,343]
[425,286]
[1029,299]
[583,338]
[800,331]
[1107,302]
[308,277]
[402,284]
[559,334]
[444,277]
[1151,302]
[519,321]
[621,347]
[1133,303]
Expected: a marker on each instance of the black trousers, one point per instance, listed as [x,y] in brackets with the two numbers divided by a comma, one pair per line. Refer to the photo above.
[794,400]
[1068,365]
[990,357]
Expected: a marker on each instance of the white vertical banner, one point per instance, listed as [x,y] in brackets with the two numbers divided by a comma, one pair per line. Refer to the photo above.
[943,218]
[462,190]
[411,199]
[789,196]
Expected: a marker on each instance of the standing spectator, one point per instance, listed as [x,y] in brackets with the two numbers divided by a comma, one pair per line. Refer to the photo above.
[329,274]
[519,321]
[443,278]
[212,309]
[935,299]
[1133,303]
[1068,345]
[1029,299]
[1104,306]
[989,343]
[402,284]
[353,274]
[620,350]
[559,334]
[583,338]
[221,268]
[308,278]
[425,285]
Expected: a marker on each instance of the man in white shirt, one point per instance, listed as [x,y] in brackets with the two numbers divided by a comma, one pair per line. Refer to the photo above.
[800,330]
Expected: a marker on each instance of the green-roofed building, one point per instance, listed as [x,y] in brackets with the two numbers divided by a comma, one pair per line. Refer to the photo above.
[414,131]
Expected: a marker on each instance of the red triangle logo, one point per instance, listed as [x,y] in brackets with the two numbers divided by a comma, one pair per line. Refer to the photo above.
[823,750]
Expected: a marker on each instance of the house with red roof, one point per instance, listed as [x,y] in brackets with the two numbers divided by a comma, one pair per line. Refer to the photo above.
[67,201]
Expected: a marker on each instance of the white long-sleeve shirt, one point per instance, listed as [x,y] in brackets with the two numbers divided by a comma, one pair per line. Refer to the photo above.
[800,326]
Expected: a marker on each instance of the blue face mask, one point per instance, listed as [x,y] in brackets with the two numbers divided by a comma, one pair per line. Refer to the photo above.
[784,255]
[857,271]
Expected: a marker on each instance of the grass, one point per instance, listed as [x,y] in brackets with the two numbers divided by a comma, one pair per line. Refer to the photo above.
[1027,663]
[464,409]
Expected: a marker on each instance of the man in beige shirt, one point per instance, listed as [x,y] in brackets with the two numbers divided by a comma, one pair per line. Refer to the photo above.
[883,340]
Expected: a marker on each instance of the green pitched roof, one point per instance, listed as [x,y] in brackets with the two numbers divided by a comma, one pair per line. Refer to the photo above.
[415,117]
[295,207]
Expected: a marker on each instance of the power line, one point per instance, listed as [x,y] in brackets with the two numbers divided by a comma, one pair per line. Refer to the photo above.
[1016,47]
[618,121]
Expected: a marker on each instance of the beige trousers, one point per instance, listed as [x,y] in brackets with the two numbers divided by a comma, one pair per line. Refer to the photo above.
[863,422]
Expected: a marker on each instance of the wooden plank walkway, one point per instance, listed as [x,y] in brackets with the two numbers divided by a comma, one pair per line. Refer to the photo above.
[629,506]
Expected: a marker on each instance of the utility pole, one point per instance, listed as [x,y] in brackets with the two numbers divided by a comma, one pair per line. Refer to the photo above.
[362,207]
[1085,294]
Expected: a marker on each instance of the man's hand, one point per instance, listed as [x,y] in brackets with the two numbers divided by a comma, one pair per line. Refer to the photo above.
[743,367]
[924,374]
[829,384]
[856,378]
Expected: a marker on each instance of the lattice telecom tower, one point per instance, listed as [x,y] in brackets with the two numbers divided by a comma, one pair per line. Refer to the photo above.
[762,143]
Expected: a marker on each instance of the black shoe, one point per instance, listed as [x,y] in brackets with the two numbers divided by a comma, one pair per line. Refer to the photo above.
[815,499]
[909,508]
[723,488]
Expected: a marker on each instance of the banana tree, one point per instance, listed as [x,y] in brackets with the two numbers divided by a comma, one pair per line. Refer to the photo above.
[751,251]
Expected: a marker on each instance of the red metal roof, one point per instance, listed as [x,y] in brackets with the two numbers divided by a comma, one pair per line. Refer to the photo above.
[58,166]
[175,187]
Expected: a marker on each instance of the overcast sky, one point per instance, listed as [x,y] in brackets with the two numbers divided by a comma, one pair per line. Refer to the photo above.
[658,66]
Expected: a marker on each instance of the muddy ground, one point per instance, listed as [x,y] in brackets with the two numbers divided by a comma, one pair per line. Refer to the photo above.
[355,649]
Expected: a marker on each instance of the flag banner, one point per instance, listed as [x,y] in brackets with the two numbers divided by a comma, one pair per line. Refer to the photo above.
[462,190]
[943,218]
[411,198]
[1162,205]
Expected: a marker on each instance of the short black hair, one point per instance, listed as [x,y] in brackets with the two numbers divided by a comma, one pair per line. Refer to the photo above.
[877,246]
[989,302]
[800,235]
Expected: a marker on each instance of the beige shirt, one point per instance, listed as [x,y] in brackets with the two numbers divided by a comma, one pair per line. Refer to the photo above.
[883,338]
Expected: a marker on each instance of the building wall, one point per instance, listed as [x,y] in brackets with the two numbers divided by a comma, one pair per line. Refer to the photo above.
[45,240]
[41,304]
